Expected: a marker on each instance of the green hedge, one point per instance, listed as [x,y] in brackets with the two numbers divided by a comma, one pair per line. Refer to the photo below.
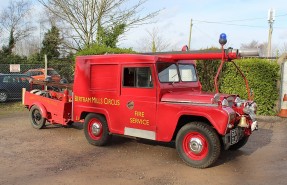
[207,70]
[262,76]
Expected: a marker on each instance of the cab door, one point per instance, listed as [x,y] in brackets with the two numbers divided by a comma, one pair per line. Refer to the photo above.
[138,101]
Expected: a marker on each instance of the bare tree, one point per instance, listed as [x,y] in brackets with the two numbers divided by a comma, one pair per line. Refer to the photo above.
[283,49]
[262,47]
[27,46]
[153,42]
[15,20]
[86,17]
[253,44]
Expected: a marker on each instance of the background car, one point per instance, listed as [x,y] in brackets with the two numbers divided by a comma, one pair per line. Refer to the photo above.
[39,74]
[11,86]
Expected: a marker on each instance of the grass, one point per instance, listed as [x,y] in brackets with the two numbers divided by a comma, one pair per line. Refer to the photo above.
[11,106]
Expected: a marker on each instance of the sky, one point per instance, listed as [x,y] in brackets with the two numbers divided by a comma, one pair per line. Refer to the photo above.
[242,20]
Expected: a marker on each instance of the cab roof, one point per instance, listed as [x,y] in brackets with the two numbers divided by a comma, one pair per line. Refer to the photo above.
[161,56]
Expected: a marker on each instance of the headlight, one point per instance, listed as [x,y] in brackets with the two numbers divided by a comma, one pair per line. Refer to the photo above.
[238,101]
[224,102]
[216,98]
[253,107]
[250,108]
[246,110]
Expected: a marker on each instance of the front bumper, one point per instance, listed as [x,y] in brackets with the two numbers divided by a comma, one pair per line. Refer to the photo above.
[233,137]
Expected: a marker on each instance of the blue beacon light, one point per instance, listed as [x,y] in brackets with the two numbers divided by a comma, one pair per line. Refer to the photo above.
[222,39]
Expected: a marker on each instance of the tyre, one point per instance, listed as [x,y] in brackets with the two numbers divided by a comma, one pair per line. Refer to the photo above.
[34,91]
[40,93]
[198,144]
[36,118]
[96,130]
[3,96]
[240,144]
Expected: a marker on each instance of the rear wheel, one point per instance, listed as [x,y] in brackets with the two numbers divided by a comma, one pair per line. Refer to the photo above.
[198,144]
[3,96]
[96,130]
[36,118]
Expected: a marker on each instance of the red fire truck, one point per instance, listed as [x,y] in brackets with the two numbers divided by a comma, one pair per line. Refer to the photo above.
[154,96]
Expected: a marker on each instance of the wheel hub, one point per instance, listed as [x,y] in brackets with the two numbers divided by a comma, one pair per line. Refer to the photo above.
[195,145]
[38,116]
[3,96]
[96,129]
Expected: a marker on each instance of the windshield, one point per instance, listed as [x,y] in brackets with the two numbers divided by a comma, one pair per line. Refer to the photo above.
[51,72]
[187,73]
[168,72]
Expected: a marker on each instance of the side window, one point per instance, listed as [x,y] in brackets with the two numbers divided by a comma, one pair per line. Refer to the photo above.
[16,79]
[36,73]
[137,77]
[8,79]
[33,73]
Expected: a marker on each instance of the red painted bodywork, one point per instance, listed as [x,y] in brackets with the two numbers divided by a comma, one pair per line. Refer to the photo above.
[161,109]
[56,110]
[163,105]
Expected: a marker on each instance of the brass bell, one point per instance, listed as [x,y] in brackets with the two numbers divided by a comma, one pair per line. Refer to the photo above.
[242,122]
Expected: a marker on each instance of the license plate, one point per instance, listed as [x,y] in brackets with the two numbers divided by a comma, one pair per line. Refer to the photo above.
[234,136]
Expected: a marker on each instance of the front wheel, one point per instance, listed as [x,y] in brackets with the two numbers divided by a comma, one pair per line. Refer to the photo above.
[3,96]
[198,144]
[96,130]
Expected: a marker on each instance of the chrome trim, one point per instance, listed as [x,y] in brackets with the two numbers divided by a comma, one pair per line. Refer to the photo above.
[231,115]
[250,110]
[96,129]
[195,145]
[192,103]
[238,101]
[225,102]
[139,133]
[216,98]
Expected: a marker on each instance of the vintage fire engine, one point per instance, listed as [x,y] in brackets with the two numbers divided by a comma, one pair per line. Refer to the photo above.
[153,96]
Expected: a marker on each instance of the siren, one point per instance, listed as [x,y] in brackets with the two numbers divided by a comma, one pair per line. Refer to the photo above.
[222,39]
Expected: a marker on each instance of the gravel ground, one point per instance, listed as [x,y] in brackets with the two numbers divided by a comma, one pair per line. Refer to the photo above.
[57,155]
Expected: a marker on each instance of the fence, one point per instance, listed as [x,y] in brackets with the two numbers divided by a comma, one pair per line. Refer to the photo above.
[65,70]
[11,85]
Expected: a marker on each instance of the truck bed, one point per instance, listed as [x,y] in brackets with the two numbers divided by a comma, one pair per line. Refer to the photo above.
[54,107]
